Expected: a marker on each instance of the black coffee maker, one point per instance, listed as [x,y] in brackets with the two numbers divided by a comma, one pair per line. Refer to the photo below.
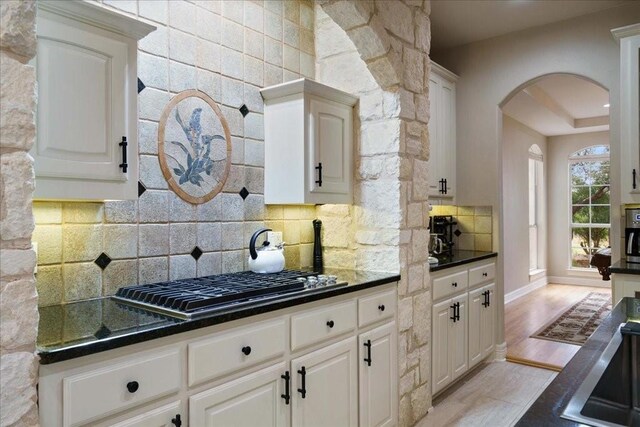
[632,235]
[443,226]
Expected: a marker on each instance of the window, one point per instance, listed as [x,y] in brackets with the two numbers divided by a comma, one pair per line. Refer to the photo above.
[535,199]
[590,204]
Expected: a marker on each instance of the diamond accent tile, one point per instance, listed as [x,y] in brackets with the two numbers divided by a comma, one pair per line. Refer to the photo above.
[457,233]
[196,253]
[244,110]
[244,193]
[102,333]
[103,261]
[141,85]
[141,189]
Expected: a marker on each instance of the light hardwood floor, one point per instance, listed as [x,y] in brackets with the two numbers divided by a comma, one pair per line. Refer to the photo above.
[496,394]
[529,313]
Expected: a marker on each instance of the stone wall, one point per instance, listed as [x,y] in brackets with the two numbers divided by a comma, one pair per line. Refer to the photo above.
[18,299]
[229,50]
[381,54]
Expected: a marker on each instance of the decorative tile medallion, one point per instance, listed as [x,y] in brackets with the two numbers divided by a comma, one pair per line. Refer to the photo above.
[194,146]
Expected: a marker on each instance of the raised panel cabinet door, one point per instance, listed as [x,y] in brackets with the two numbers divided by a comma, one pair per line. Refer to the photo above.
[441,363]
[378,376]
[330,135]
[82,112]
[324,386]
[165,416]
[253,400]
[488,322]
[459,336]
[476,298]
[447,135]
[435,146]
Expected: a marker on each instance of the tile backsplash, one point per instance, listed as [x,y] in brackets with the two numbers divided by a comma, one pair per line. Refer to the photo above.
[475,224]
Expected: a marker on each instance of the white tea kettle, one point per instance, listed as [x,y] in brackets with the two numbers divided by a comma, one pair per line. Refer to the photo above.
[267,258]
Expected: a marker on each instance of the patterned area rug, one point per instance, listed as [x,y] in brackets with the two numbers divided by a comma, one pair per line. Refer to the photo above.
[579,321]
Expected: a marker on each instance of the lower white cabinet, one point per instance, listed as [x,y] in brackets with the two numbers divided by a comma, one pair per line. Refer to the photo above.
[325,386]
[624,285]
[450,335]
[378,376]
[482,323]
[170,415]
[252,400]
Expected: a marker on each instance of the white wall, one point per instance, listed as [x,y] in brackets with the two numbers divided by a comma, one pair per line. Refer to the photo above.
[517,139]
[559,149]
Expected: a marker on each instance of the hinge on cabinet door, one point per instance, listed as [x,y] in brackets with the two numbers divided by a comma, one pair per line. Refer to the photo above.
[319,169]
[124,164]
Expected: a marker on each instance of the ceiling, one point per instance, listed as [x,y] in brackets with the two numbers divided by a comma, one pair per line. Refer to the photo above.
[458,22]
[561,104]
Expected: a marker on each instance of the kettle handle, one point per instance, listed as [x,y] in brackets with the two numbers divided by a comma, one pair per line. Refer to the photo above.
[252,242]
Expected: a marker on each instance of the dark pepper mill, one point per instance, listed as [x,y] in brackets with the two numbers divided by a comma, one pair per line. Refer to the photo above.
[317,246]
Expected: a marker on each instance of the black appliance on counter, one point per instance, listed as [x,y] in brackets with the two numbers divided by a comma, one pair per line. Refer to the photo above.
[632,235]
[443,225]
[197,297]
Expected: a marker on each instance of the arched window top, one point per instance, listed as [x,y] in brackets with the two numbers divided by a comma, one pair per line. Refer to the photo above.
[595,151]
[535,152]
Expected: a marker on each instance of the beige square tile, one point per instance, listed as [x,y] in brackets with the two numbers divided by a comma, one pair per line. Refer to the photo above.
[306,231]
[291,212]
[291,234]
[49,284]
[483,242]
[308,212]
[49,240]
[47,212]
[291,58]
[466,210]
[82,212]
[466,224]
[81,281]
[306,16]
[274,212]
[307,42]
[119,274]
[81,242]
[275,225]
[449,210]
[233,261]
[306,255]
[483,210]
[292,11]
[482,224]
[182,238]
[121,241]
[292,257]
[209,263]
[151,270]
[466,242]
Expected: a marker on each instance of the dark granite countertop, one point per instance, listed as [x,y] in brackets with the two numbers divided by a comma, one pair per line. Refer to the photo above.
[547,409]
[460,258]
[78,329]
[624,267]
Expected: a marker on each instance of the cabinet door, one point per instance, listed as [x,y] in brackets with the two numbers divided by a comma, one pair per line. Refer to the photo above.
[330,135]
[164,416]
[378,376]
[447,136]
[441,364]
[488,322]
[435,86]
[476,298]
[458,352]
[328,379]
[629,113]
[252,400]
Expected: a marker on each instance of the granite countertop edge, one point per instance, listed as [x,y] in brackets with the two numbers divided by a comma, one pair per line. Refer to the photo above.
[461,258]
[548,408]
[176,326]
[624,267]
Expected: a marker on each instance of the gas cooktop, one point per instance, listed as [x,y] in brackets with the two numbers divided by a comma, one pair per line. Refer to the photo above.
[192,298]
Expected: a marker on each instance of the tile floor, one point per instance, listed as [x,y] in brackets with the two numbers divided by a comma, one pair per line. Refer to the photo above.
[495,394]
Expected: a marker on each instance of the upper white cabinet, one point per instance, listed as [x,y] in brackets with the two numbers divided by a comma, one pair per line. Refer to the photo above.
[87,145]
[629,38]
[308,133]
[442,133]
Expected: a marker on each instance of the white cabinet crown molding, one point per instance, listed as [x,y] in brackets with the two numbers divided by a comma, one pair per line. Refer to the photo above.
[98,16]
[622,32]
[310,87]
[439,69]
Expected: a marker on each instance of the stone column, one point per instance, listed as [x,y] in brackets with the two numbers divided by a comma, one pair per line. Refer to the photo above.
[18,298]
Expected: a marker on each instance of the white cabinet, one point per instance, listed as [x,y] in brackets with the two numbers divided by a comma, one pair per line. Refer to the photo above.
[482,323]
[87,102]
[170,415]
[325,386]
[624,285]
[252,400]
[442,133]
[629,38]
[378,379]
[450,335]
[308,131]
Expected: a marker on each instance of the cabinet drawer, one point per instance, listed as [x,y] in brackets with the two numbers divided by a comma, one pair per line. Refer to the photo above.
[481,274]
[376,307]
[321,324]
[97,393]
[234,350]
[450,284]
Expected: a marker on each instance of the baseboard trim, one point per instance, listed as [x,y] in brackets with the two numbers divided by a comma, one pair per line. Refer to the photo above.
[501,352]
[579,281]
[534,363]
[537,284]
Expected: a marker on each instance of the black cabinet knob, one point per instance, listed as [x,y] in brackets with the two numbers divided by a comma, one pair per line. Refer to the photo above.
[330,323]
[381,307]
[177,421]
[133,386]
[246,350]
[484,274]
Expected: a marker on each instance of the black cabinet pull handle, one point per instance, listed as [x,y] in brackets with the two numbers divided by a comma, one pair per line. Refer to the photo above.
[133,386]
[124,165]
[454,284]
[457,311]
[443,188]
[330,324]
[319,169]
[286,396]
[634,178]
[381,307]
[453,307]
[484,274]
[484,303]
[488,298]
[176,421]
[303,390]
[367,359]
[246,350]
